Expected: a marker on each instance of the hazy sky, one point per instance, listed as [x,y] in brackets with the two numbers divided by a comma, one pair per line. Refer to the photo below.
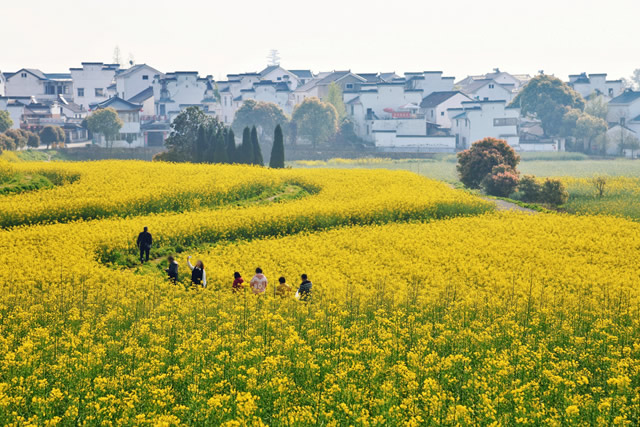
[460,37]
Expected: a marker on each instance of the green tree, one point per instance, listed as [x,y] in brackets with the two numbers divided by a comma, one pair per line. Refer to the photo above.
[33,140]
[597,107]
[220,147]
[201,146]
[316,121]
[335,98]
[246,149]
[257,151]
[19,137]
[590,129]
[475,163]
[105,122]
[277,151]
[5,121]
[231,147]
[6,143]
[548,98]
[264,115]
[192,136]
[50,135]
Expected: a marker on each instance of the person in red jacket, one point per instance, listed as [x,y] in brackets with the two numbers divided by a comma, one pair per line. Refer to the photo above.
[238,281]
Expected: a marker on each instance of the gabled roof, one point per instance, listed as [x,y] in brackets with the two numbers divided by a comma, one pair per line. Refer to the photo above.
[370,77]
[303,74]
[476,84]
[142,96]
[437,98]
[35,72]
[117,103]
[73,107]
[268,70]
[137,67]
[627,97]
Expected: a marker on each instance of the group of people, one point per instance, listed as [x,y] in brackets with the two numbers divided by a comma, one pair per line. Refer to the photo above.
[258,284]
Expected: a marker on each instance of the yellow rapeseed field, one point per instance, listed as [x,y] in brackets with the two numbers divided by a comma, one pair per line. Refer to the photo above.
[427,308]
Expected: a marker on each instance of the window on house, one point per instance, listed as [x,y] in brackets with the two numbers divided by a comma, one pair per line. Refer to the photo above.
[349,85]
[80,92]
[66,89]
[23,75]
[99,91]
[491,86]
[431,113]
[623,120]
[50,90]
[279,78]
[60,89]
[145,77]
[509,121]
[611,92]
[486,98]
[442,113]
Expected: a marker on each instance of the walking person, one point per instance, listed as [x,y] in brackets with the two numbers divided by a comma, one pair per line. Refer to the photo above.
[304,291]
[172,271]
[259,282]
[283,290]
[198,274]
[238,283]
[144,243]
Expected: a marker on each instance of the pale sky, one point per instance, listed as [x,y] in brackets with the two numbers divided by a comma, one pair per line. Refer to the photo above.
[459,37]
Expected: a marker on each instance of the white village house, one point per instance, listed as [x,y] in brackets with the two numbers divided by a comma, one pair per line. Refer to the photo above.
[42,86]
[130,134]
[435,106]
[91,82]
[595,84]
[477,120]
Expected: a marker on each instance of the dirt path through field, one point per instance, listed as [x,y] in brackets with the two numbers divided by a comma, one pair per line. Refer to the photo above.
[503,205]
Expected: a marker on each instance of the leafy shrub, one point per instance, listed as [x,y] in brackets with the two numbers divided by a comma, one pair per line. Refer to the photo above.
[501,182]
[554,192]
[529,189]
[478,161]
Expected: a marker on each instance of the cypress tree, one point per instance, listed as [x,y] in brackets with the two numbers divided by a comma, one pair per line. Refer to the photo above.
[200,149]
[246,149]
[257,152]
[231,146]
[220,150]
[211,144]
[277,152]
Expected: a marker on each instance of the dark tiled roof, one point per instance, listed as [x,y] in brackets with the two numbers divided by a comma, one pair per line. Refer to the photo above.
[58,76]
[142,96]
[626,97]
[437,98]
[116,99]
[303,74]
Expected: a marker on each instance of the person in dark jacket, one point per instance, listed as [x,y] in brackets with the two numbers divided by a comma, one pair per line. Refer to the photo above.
[144,244]
[304,291]
[198,274]
[172,271]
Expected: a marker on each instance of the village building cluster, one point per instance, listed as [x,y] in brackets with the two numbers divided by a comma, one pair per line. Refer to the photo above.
[423,111]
